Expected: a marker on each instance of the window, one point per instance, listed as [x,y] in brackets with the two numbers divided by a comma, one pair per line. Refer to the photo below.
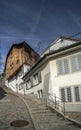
[63,66]
[17,59]
[63,94]
[69,97]
[76,63]
[77,93]
[70,64]
[66,94]
[20,86]
[40,93]
[28,84]
[37,78]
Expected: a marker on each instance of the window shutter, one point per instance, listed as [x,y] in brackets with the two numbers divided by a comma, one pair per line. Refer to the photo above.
[77,97]
[69,97]
[66,66]
[59,67]
[76,63]
[79,61]
[63,66]
[63,94]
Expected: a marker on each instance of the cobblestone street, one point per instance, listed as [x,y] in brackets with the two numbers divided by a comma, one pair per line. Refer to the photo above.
[30,109]
[11,109]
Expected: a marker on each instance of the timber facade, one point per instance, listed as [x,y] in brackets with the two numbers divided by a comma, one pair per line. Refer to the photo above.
[18,55]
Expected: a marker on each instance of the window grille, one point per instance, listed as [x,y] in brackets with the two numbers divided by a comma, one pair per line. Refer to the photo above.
[66,94]
[78,93]
[63,66]
[69,97]
[63,94]
[76,63]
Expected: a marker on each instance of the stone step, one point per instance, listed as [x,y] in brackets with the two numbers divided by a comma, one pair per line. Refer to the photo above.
[42,111]
[46,119]
[39,109]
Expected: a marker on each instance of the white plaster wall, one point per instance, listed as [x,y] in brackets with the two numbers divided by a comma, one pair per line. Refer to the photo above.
[12,84]
[58,81]
[71,79]
[18,79]
[44,70]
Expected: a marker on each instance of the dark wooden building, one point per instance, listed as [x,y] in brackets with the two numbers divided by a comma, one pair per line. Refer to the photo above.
[18,55]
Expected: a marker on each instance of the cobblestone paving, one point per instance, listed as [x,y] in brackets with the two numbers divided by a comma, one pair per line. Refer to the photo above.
[11,109]
[46,119]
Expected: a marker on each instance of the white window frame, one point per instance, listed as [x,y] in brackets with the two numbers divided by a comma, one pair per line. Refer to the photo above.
[78,94]
[61,70]
[76,65]
[66,95]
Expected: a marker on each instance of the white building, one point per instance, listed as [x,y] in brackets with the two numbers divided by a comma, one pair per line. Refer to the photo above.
[16,82]
[20,58]
[59,72]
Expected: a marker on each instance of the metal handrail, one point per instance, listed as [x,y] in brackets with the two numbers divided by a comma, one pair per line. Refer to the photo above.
[55,102]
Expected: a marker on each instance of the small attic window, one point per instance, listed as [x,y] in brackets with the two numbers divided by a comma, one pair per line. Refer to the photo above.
[17,59]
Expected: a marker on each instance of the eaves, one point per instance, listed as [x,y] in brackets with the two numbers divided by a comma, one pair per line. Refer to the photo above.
[54,54]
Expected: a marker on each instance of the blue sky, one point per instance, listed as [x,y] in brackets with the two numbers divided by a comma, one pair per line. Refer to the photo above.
[36,21]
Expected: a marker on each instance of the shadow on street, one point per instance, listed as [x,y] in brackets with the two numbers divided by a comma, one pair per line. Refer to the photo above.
[2,93]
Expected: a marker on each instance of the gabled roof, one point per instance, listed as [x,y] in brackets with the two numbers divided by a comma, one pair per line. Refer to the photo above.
[56,52]
[20,45]
[62,37]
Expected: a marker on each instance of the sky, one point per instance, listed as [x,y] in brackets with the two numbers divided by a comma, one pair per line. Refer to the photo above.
[37,21]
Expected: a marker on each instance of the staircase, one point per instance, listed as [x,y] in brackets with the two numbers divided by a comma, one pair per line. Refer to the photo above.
[45,118]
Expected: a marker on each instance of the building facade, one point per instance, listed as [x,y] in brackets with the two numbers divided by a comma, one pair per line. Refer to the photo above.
[19,60]
[58,72]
